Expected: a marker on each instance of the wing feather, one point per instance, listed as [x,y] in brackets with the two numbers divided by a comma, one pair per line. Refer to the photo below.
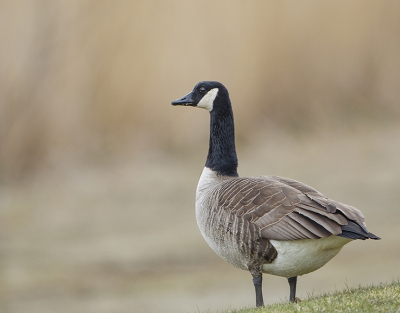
[285,209]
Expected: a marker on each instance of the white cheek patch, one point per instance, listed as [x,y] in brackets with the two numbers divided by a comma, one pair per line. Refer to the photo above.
[207,101]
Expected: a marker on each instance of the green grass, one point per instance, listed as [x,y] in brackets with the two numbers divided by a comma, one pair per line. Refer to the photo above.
[380,298]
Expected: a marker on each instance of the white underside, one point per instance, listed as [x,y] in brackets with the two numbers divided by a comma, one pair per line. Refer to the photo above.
[299,257]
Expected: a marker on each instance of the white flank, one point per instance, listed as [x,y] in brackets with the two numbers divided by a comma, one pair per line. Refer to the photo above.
[298,257]
[207,101]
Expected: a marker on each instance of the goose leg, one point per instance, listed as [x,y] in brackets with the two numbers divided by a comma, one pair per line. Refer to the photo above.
[292,284]
[257,281]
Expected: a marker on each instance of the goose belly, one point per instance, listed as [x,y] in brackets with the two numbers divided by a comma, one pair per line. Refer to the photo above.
[300,257]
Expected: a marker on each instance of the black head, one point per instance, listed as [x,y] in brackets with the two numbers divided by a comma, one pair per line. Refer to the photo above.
[204,95]
[214,97]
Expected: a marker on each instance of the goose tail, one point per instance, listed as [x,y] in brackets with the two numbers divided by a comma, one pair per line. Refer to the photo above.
[354,230]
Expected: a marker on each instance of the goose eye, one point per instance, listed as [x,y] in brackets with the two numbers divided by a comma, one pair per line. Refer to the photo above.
[202,89]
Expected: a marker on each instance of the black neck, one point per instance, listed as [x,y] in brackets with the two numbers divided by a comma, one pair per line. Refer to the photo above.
[222,153]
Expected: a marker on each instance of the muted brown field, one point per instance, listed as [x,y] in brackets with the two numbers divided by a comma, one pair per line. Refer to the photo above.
[98,171]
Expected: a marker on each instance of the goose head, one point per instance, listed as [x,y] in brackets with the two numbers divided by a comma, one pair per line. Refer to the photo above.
[214,97]
[208,95]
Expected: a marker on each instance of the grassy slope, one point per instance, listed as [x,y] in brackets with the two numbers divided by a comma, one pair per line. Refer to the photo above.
[381,298]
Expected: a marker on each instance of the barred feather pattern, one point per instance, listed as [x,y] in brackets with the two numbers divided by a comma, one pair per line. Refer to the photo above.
[238,216]
[236,240]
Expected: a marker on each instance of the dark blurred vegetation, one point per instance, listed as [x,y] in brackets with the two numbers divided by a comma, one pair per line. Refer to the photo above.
[88,81]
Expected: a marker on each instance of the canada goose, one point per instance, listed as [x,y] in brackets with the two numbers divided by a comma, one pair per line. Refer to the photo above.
[265,224]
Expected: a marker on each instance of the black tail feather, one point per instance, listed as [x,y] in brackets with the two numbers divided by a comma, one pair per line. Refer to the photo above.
[355,231]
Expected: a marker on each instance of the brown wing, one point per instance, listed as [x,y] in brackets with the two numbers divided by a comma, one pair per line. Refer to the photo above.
[284,209]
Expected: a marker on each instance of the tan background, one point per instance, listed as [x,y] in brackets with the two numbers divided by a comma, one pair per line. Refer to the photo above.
[98,171]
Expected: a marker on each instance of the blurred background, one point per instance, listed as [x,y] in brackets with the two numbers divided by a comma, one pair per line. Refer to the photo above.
[98,171]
